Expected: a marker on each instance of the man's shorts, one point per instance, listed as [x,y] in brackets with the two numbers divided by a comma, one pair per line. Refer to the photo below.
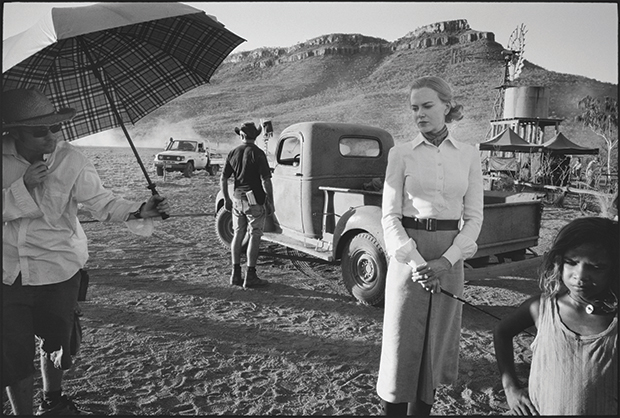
[246,216]
[45,311]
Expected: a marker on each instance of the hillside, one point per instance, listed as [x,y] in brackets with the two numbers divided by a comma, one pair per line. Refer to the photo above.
[360,79]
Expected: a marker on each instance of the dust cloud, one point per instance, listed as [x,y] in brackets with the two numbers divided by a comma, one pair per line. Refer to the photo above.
[155,135]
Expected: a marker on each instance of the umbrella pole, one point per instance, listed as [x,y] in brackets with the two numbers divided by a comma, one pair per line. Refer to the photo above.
[151,185]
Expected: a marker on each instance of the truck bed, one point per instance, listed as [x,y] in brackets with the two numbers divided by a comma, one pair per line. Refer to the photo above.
[511,220]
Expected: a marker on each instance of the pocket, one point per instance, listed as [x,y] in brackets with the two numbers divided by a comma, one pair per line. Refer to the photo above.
[257,210]
[237,203]
[84,279]
[53,203]
[419,181]
[76,333]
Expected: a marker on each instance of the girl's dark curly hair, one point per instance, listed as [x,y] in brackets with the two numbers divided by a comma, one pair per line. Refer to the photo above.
[598,231]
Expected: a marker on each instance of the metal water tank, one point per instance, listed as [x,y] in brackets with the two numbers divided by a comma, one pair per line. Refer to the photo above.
[526,102]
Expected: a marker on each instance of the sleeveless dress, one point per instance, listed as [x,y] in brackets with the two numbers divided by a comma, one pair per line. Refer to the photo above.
[572,374]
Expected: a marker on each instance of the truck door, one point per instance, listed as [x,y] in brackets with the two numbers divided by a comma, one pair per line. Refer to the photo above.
[202,156]
[287,178]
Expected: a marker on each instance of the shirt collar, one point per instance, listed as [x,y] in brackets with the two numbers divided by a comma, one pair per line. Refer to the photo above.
[421,140]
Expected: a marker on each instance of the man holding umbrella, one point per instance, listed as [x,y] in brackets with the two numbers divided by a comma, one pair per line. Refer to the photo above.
[44,245]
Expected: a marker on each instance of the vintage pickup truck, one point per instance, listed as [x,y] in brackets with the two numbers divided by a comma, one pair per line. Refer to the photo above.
[326,204]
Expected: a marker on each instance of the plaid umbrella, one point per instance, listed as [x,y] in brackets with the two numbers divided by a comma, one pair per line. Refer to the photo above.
[116,62]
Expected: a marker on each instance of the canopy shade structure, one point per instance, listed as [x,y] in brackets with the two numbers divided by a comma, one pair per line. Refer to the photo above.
[562,145]
[508,140]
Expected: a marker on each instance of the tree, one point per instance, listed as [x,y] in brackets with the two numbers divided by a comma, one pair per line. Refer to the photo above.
[601,116]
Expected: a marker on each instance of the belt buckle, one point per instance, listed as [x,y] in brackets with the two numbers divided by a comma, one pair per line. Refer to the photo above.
[431,224]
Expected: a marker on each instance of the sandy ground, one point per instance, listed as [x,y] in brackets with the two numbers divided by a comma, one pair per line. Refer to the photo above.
[164,333]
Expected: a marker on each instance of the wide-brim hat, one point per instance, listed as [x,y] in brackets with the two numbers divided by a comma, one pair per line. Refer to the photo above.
[30,107]
[249,130]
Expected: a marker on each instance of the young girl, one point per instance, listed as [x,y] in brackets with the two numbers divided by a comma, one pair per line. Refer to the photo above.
[574,368]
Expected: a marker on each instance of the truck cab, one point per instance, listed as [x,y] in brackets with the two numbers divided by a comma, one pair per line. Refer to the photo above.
[314,155]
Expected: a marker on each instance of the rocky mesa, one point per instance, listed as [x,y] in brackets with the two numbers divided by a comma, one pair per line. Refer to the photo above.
[436,34]
[361,79]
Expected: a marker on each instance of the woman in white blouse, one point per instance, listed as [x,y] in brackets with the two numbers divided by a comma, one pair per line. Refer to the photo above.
[432,214]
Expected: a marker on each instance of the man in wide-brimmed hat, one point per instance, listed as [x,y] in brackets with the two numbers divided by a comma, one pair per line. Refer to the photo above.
[44,246]
[251,201]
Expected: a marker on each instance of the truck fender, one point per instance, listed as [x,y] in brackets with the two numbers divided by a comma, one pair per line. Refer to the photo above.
[359,219]
[219,201]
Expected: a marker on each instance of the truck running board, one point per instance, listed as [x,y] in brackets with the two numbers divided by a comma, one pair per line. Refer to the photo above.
[308,245]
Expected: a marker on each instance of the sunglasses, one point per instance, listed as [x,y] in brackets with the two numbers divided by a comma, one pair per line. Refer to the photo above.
[41,131]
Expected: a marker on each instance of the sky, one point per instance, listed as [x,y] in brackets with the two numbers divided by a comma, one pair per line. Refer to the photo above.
[573,38]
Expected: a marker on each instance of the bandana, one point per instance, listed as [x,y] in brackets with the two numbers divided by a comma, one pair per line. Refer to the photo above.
[436,138]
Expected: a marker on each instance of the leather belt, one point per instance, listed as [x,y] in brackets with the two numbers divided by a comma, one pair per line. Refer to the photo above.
[430,224]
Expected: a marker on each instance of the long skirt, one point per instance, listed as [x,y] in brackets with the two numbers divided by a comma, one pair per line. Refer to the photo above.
[421,331]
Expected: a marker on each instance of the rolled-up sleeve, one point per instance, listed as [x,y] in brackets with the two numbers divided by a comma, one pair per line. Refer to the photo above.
[100,202]
[464,245]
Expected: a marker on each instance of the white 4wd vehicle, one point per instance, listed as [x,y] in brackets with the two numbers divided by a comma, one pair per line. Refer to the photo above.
[185,155]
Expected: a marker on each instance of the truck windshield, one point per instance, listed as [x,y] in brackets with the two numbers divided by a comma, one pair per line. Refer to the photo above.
[359,147]
[183,146]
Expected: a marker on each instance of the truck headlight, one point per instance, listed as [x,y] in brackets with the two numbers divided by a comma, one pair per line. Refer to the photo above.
[159,157]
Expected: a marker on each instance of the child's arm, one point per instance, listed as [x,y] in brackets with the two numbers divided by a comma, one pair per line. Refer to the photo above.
[524,317]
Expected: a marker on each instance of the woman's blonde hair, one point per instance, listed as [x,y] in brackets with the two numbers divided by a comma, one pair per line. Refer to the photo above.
[444,91]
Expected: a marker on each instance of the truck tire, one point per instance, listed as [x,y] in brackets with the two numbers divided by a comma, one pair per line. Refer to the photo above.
[517,255]
[160,171]
[189,169]
[478,262]
[224,229]
[364,269]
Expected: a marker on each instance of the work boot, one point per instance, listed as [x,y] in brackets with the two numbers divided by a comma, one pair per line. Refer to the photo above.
[252,280]
[235,277]
[64,406]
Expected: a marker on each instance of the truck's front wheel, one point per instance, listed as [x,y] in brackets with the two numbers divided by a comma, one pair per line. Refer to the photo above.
[189,169]
[224,229]
[364,269]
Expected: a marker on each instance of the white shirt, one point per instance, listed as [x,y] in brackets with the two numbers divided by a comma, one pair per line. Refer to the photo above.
[41,235]
[426,181]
